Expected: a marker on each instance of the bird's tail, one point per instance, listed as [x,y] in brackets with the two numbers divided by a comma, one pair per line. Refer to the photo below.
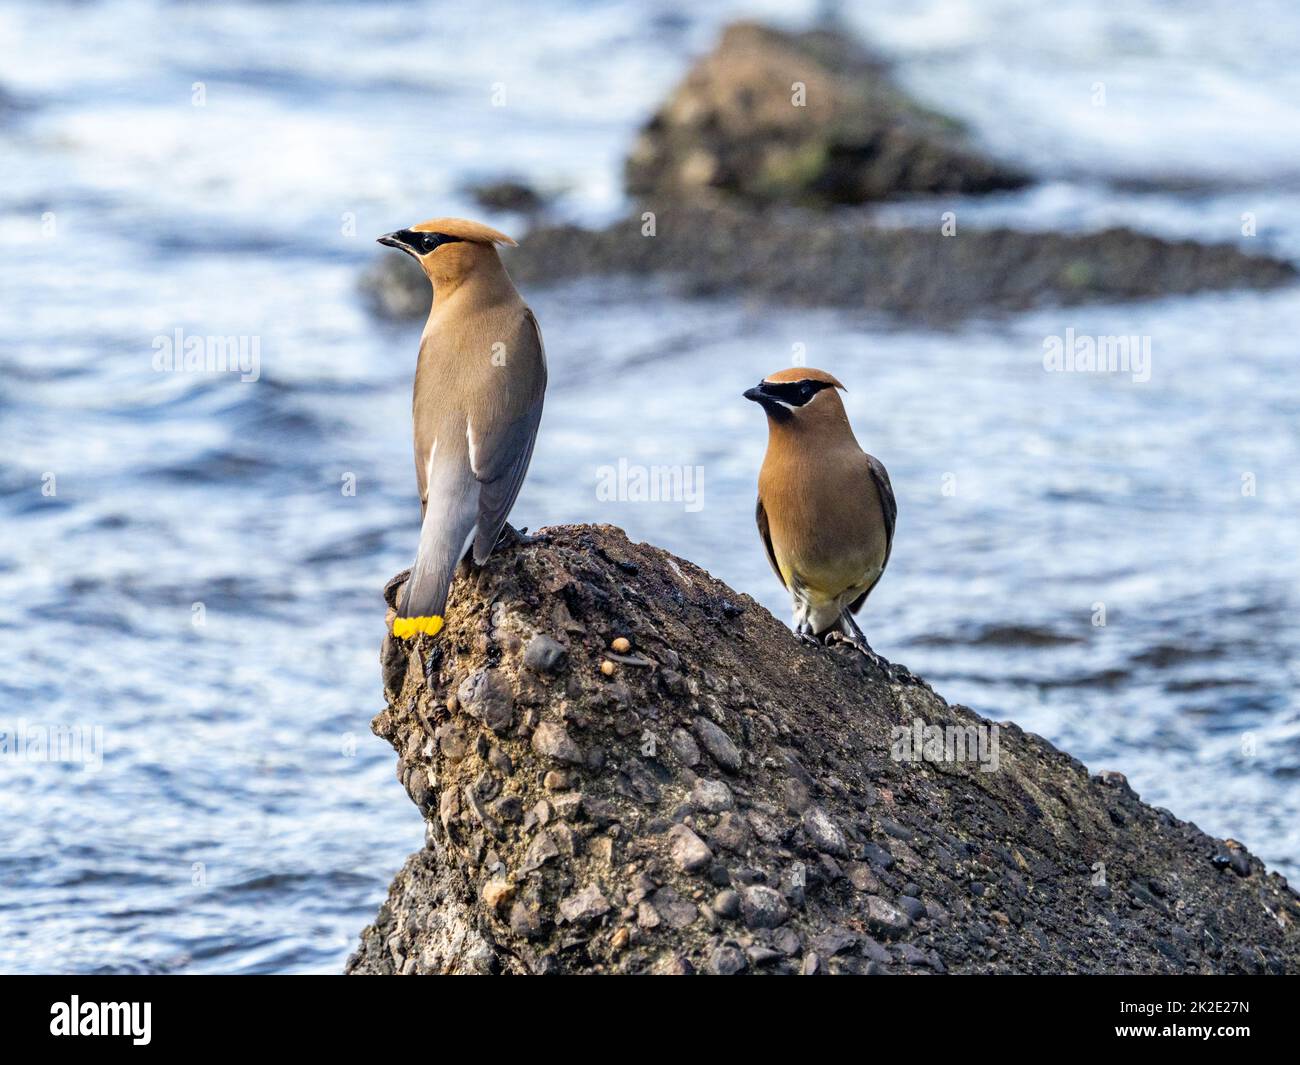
[445,536]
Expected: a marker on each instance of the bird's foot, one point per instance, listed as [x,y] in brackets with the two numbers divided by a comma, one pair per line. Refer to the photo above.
[804,634]
[863,648]
[510,536]
[897,674]
[394,586]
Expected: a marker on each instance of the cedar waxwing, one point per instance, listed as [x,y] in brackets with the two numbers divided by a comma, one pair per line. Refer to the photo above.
[826,509]
[479,383]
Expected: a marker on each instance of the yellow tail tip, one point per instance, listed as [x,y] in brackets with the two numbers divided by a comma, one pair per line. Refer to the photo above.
[405,628]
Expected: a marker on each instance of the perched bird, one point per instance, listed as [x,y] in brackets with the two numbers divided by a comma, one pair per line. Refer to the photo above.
[479,383]
[826,509]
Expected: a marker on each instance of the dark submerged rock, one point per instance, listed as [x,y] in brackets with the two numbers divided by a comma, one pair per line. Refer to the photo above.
[508,193]
[802,258]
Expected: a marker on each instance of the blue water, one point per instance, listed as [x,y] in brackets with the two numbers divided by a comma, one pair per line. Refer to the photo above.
[195,582]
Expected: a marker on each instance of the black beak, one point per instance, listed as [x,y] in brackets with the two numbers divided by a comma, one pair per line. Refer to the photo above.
[774,408]
[399,241]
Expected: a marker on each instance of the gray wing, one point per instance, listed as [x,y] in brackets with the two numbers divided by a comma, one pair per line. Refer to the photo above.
[510,449]
[889,512]
[760,516]
[888,504]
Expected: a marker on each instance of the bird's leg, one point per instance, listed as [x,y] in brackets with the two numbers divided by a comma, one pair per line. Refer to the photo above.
[804,634]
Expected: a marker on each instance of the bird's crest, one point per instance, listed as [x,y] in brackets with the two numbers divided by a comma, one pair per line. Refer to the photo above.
[802,373]
[464,229]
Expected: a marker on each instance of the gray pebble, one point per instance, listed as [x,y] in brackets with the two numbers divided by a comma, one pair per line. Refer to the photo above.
[487,696]
[913,907]
[711,796]
[726,903]
[763,907]
[718,744]
[688,851]
[727,961]
[886,919]
[585,906]
[684,746]
[545,655]
[552,741]
[823,833]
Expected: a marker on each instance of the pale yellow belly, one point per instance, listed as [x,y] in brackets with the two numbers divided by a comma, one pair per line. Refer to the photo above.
[828,537]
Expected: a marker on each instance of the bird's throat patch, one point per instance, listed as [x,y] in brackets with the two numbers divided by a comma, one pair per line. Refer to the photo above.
[405,628]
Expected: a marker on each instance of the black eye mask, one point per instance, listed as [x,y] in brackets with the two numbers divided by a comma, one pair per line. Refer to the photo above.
[427,242]
[415,243]
[795,393]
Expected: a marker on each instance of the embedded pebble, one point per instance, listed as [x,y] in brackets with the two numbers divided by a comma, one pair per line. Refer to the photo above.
[762,907]
[541,850]
[552,741]
[862,878]
[684,746]
[727,961]
[886,919]
[913,907]
[544,654]
[453,742]
[726,903]
[585,906]
[688,851]
[732,832]
[823,833]
[718,744]
[711,796]
[487,696]
[497,892]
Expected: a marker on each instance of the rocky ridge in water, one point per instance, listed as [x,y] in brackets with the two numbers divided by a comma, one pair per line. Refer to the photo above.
[808,260]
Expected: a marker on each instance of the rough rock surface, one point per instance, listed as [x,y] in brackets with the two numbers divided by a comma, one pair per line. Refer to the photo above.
[809,259]
[723,799]
[771,116]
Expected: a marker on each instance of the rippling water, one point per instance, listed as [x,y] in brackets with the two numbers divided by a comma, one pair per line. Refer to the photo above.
[195,582]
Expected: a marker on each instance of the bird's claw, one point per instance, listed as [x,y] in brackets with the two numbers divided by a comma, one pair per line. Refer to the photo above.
[394,586]
[804,634]
[516,537]
[864,649]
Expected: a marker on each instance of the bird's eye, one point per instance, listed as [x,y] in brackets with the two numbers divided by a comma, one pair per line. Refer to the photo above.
[428,243]
[806,390]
